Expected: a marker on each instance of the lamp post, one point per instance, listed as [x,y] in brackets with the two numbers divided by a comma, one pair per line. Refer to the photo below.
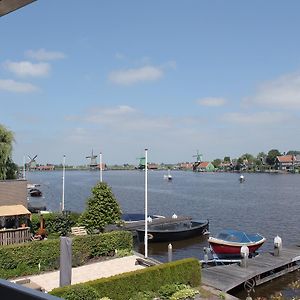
[24,168]
[146,204]
[63,185]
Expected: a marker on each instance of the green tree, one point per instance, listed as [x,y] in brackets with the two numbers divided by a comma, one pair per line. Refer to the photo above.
[271,157]
[102,209]
[293,152]
[217,162]
[227,159]
[8,169]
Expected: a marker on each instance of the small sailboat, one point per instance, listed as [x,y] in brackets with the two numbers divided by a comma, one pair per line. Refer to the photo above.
[168,176]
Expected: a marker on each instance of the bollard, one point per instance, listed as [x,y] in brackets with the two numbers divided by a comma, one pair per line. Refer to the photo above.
[65,268]
[244,255]
[277,245]
[205,250]
[174,216]
[169,252]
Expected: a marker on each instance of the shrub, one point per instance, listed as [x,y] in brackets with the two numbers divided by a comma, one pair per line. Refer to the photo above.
[102,209]
[23,259]
[168,290]
[124,286]
[55,223]
[187,293]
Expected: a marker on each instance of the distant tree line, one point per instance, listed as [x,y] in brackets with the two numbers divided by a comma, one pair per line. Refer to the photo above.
[248,161]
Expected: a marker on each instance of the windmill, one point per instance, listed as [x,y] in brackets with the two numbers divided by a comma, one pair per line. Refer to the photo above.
[31,165]
[93,161]
[198,160]
[141,165]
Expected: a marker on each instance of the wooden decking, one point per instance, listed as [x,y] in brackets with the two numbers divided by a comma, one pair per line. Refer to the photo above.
[260,269]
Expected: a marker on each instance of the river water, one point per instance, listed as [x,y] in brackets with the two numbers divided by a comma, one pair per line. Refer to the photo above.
[265,203]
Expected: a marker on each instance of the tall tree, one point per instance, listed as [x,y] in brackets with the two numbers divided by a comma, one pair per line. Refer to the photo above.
[7,167]
[102,209]
[271,157]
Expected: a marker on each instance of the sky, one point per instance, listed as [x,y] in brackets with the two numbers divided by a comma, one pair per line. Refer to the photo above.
[221,77]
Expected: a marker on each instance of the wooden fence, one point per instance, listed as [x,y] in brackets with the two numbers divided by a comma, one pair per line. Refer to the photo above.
[14,236]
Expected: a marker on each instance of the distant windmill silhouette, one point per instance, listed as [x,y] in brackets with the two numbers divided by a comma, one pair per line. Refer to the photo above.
[93,161]
[198,160]
[31,165]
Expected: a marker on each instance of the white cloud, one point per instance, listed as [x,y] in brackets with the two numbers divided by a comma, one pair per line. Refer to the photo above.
[17,87]
[211,101]
[283,92]
[257,118]
[26,68]
[45,55]
[132,76]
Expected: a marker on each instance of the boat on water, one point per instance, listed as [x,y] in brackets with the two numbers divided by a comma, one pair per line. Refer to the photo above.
[135,217]
[228,243]
[242,179]
[173,231]
[168,176]
[32,186]
[35,192]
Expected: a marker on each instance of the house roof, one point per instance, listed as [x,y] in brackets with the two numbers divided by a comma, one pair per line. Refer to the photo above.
[13,210]
[204,164]
[286,158]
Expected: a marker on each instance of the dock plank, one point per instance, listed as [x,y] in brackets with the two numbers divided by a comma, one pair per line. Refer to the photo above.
[227,277]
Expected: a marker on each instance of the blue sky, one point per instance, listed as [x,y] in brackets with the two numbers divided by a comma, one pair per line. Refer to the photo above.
[172,76]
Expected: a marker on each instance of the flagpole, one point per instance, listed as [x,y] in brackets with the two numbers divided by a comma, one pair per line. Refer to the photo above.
[100,167]
[24,168]
[63,185]
[146,204]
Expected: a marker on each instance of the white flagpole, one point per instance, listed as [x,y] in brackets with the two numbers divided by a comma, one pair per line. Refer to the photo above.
[146,204]
[63,186]
[24,168]
[100,166]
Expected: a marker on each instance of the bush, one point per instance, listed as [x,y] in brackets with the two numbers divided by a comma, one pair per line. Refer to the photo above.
[102,209]
[55,223]
[187,293]
[166,291]
[124,286]
[23,259]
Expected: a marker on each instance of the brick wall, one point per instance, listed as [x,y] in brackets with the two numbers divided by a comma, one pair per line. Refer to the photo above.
[13,192]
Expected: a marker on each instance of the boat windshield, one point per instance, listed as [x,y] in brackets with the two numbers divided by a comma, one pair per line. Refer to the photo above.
[238,236]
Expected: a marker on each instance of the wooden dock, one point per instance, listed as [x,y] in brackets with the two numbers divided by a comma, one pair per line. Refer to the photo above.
[261,269]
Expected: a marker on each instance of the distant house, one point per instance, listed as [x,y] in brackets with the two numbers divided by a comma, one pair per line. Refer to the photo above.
[205,166]
[45,168]
[185,166]
[287,162]
[152,166]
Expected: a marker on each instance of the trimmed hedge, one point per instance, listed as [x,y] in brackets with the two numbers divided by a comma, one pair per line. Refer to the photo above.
[23,259]
[123,286]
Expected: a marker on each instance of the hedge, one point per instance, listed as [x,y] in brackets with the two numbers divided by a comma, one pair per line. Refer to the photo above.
[123,286]
[24,259]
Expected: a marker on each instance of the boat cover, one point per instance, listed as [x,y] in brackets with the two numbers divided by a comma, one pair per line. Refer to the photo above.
[238,236]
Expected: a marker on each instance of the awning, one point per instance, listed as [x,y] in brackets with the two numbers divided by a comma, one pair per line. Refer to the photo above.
[13,210]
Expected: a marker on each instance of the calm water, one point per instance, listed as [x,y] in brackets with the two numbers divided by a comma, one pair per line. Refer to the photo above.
[266,203]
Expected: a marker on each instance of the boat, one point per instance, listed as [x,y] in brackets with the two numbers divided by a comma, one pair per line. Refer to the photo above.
[135,217]
[32,185]
[242,179]
[168,176]
[35,192]
[173,231]
[228,242]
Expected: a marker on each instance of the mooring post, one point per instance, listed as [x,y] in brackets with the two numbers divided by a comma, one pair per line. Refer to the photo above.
[170,252]
[65,269]
[244,255]
[205,250]
[277,245]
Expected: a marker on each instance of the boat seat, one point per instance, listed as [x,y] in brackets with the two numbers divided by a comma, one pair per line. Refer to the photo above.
[79,230]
